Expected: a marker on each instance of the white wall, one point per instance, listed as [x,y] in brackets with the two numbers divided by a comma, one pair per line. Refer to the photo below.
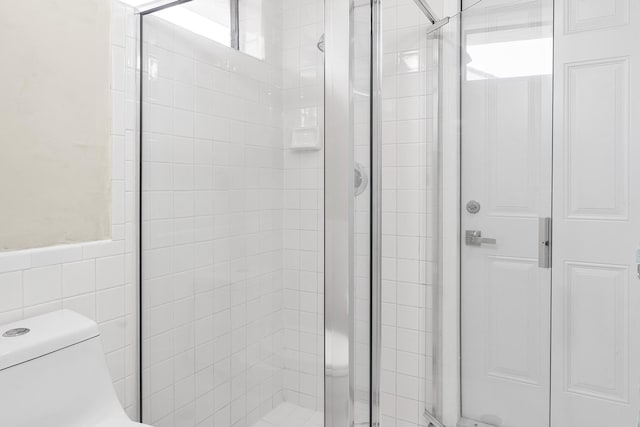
[96,279]
[303,105]
[55,123]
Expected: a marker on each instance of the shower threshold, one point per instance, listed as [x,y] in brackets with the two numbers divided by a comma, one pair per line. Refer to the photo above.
[465,422]
[288,415]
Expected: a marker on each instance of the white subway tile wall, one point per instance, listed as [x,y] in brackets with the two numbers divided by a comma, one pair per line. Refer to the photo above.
[407,216]
[213,197]
[96,279]
[303,106]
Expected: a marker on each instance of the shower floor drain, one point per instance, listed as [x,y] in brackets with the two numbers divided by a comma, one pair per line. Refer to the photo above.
[17,332]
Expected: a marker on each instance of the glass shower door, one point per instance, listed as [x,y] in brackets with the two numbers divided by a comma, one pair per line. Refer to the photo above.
[506,116]
[348,182]
[236,254]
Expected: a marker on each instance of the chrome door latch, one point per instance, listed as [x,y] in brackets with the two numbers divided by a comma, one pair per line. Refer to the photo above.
[544,242]
[473,206]
[474,238]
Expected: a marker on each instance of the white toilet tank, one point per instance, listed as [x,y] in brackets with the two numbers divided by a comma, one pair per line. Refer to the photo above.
[53,374]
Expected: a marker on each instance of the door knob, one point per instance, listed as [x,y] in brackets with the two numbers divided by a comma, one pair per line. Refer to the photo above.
[473,207]
[474,238]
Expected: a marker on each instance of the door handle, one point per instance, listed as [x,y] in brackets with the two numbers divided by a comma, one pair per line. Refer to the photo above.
[544,243]
[474,238]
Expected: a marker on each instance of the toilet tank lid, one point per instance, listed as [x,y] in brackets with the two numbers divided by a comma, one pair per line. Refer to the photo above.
[47,333]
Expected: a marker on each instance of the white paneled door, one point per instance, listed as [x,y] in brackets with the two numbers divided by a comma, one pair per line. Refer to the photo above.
[596,291]
[560,346]
[506,190]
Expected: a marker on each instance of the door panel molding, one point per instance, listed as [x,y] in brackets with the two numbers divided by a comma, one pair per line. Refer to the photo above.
[597,119]
[589,15]
[603,333]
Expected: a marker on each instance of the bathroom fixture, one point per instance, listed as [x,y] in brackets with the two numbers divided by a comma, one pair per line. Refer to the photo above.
[361,180]
[438,24]
[433,421]
[544,242]
[474,238]
[53,373]
[426,9]
[473,206]
[432,16]
[321,44]
[307,138]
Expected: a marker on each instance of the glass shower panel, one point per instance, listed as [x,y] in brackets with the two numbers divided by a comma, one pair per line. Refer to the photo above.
[231,217]
[303,111]
[505,190]
[408,198]
[347,43]
[362,220]
[433,250]
[443,88]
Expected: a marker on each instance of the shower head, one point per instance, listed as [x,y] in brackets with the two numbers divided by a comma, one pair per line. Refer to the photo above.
[426,9]
[321,44]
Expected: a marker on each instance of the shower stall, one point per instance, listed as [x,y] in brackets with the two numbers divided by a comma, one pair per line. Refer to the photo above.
[346,208]
[242,113]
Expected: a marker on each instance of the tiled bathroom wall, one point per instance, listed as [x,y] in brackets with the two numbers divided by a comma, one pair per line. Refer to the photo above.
[303,220]
[96,279]
[298,276]
[407,211]
[212,262]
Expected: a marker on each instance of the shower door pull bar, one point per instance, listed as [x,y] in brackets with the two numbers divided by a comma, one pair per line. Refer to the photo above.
[544,242]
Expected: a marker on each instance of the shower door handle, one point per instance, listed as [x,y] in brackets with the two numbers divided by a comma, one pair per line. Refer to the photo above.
[474,238]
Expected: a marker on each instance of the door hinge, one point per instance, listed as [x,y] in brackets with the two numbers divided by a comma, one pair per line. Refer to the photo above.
[544,242]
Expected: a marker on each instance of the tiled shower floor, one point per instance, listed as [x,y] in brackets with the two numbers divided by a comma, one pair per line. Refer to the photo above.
[289,415]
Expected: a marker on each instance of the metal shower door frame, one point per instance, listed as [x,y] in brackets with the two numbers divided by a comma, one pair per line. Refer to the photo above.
[339,216]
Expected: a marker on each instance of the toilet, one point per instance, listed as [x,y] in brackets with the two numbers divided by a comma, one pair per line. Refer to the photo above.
[53,374]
